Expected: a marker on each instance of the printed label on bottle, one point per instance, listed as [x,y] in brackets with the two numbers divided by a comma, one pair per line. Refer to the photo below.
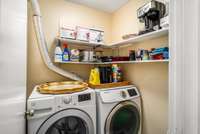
[58,58]
[66,57]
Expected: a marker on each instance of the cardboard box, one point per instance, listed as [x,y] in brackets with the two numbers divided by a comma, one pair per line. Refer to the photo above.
[82,33]
[67,33]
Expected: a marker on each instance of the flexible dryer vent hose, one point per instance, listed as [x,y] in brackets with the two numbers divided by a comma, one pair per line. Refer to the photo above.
[37,18]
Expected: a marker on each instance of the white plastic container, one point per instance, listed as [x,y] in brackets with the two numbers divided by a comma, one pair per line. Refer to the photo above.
[164,22]
[96,36]
[86,56]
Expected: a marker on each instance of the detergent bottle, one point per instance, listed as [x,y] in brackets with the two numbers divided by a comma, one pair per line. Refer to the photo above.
[58,53]
[66,53]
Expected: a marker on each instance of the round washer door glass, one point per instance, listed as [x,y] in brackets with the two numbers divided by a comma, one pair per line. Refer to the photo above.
[124,119]
[68,125]
[70,121]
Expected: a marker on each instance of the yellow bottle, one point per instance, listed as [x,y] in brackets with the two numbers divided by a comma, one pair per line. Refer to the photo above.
[94,77]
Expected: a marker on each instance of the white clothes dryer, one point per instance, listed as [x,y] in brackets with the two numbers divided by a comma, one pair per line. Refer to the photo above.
[62,114]
[119,110]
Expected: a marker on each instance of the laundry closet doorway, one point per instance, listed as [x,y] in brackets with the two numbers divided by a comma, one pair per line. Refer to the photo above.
[173,91]
[151,77]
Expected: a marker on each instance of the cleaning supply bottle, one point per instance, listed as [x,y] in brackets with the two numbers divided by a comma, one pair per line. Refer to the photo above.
[119,75]
[58,53]
[114,72]
[66,53]
[94,77]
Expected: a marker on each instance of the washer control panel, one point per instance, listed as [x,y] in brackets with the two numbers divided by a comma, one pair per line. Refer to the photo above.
[84,97]
[123,94]
[67,99]
[119,94]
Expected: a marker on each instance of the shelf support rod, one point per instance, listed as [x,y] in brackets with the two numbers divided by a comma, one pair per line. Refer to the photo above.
[37,19]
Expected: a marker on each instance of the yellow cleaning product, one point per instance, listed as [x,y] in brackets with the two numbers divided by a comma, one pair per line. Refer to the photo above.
[94,77]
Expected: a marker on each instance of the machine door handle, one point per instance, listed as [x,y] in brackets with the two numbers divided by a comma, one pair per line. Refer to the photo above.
[30,113]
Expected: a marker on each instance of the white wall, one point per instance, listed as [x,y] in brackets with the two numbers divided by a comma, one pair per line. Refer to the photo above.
[13,45]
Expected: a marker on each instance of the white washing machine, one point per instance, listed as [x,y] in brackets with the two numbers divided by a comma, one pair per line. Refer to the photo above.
[119,110]
[62,114]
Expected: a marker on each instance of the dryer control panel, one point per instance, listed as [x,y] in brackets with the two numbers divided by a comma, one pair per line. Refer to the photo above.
[132,92]
[119,94]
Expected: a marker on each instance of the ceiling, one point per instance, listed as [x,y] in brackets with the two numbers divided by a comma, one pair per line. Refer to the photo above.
[104,5]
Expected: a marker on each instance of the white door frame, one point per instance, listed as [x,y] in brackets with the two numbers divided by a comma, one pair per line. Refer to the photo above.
[183,67]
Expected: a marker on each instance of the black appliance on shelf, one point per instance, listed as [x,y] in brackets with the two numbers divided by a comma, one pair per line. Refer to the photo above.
[105,74]
[150,14]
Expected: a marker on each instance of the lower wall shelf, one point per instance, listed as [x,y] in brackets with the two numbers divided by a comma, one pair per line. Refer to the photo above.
[110,85]
[116,62]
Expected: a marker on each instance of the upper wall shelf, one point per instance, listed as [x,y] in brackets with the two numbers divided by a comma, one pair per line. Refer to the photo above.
[141,38]
[84,43]
[137,39]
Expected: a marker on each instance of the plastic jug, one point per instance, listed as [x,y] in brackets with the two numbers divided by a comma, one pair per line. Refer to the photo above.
[94,77]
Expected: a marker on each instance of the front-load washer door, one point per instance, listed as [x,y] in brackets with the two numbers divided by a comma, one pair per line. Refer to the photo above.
[70,121]
[123,119]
